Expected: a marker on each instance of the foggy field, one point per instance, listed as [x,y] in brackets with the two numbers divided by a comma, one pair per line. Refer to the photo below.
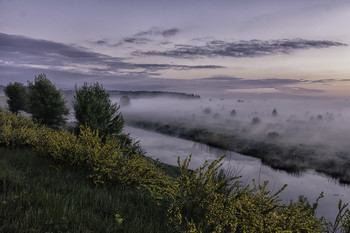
[298,135]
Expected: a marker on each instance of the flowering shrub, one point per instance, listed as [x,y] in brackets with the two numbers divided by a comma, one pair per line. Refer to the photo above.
[205,200]
[14,130]
[201,200]
[108,159]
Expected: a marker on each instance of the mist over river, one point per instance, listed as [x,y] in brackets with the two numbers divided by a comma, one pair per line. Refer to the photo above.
[309,184]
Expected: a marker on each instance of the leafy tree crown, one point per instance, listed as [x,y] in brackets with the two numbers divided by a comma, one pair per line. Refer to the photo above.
[46,103]
[94,108]
[17,95]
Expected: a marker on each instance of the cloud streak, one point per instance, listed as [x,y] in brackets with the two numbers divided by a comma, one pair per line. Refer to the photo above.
[143,37]
[251,48]
[156,32]
[19,51]
[22,58]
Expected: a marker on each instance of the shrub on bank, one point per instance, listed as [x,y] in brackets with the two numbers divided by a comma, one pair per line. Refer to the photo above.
[108,160]
[208,201]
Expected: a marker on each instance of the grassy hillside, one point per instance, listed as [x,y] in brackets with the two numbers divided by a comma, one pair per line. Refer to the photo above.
[36,195]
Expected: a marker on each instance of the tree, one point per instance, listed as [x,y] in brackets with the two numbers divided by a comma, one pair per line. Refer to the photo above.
[17,96]
[46,103]
[94,108]
[274,113]
[256,120]
[207,110]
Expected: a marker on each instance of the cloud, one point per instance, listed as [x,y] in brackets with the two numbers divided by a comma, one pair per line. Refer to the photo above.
[170,32]
[329,80]
[143,37]
[300,90]
[101,42]
[251,48]
[19,51]
[253,83]
[156,32]
[22,58]
[176,67]
[137,40]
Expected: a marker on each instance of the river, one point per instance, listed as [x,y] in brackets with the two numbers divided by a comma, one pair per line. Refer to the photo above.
[309,184]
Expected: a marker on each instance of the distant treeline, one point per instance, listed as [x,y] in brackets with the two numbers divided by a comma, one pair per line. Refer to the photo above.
[137,94]
[151,94]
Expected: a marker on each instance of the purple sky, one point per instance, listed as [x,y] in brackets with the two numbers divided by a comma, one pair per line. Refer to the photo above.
[274,47]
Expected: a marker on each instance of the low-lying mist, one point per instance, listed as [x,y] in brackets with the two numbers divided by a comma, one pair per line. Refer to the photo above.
[323,124]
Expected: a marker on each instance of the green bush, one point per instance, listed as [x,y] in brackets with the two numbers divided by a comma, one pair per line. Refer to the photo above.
[94,108]
[17,97]
[46,103]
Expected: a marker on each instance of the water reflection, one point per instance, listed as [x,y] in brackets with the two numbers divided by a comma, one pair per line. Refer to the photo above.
[310,184]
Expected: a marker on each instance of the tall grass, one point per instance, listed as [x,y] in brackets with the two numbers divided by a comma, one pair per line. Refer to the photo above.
[38,196]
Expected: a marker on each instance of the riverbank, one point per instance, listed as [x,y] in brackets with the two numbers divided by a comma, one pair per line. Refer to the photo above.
[290,158]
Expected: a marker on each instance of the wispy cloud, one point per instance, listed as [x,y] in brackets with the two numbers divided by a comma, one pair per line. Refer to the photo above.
[21,58]
[157,31]
[251,48]
[325,81]
[143,37]
[300,90]
[19,51]
[176,67]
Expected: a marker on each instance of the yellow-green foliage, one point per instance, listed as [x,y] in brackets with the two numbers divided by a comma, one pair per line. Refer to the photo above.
[107,159]
[207,201]
[201,200]
[342,221]
[14,130]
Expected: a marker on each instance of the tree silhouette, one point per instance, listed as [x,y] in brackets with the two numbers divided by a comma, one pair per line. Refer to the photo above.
[46,103]
[17,97]
[94,108]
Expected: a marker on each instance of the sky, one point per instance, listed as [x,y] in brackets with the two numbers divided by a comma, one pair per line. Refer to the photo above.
[226,47]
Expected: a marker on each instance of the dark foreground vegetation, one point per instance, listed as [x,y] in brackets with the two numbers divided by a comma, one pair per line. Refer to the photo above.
[293,159]
[37,195]
[58,180]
